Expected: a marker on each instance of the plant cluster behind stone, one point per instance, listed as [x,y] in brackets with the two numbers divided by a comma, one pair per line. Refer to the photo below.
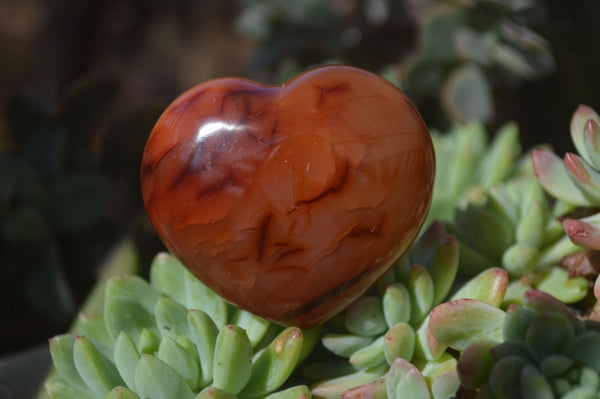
[546,352]
[174,338]
[457,314]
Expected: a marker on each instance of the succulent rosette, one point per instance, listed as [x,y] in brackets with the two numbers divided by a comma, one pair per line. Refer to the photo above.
[391,335]
[547,352]
[575,181]
[490,200]
[471,164]
[172,337]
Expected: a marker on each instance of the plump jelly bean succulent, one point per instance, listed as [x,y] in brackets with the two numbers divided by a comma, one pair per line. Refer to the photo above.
[575,181]
[546,352]
[488,196]
[392,332]
[175,338]
[290,200]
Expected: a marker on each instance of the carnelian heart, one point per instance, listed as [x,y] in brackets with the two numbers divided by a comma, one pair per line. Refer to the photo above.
[289,201]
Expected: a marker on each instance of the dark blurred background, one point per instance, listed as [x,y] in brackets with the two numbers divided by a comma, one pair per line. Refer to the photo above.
[83,81]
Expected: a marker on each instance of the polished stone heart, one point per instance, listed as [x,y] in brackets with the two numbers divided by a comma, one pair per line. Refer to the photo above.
[289,201]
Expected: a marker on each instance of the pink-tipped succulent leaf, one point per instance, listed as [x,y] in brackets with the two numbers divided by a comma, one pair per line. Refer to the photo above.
[582,233]
[580,118]
[586,178]
[551,173]
[591,140]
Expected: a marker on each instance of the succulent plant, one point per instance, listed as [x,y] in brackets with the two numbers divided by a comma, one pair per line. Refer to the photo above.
[467,48]
[491,202]
[471,164]
[546,352]
[174,338]
[575,181]
[382,334]
[513,226]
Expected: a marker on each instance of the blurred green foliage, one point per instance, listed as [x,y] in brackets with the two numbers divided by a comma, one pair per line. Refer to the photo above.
[452,53]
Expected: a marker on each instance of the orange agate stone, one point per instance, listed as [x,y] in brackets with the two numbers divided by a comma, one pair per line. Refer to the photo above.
[289,201]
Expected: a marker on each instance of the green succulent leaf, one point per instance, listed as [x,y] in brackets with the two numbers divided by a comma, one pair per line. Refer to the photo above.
[56,387]
[126,358]
[445,386]
[498,162]
[514,292]
[274,364]
[375,389]
[584,349]
[121,393]
[513,348]
[556,282]
[345,344]
[426,345]
[214,393]
[541,301]
[370,356]
[589,379]
[204,334]
[520,259]
[365,317]
[462,322]
[96,370]
[334,388]
[531,226]
[157,380]
[129,306]
[548,333]
[93,327]
[396,304]
[297,392]
[505,377]
[148,342]
[516,322]
[443,264]
[171,318]
[404,380]
[552,174]
[475,364]
[421,289]
[491,233]
[553,366]
[399,341]
[232,364]
[434,369]
[170,277]
[182,358]
[534,385]
[488,286]
[61,350]
[256,327]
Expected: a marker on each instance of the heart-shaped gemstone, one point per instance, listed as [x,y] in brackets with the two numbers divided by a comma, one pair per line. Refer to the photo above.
[289,201]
